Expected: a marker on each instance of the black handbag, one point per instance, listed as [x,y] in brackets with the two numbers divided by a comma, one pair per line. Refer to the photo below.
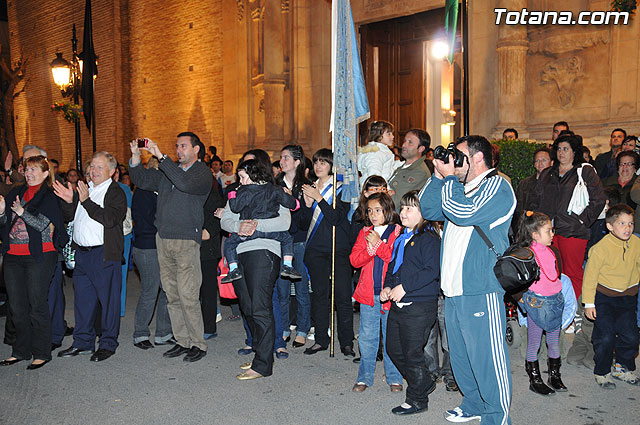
[516,269]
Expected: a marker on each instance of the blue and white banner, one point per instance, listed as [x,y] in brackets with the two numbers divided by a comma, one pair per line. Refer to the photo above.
[349,104]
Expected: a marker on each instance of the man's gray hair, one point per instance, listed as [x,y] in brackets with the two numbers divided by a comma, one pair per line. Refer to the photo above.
[110,159]
[27,148]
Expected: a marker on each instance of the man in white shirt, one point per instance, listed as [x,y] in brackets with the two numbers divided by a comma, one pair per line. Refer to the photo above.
[98,210]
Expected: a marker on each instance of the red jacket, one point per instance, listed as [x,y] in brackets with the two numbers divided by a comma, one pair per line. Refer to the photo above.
[362,257]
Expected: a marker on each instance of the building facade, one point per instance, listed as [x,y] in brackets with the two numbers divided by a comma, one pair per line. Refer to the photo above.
[256,73]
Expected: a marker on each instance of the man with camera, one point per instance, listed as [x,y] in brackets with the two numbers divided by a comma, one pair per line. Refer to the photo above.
[413,174]
[466,192]
[183,188]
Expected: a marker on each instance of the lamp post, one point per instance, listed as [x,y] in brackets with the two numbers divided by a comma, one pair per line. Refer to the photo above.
[67,76]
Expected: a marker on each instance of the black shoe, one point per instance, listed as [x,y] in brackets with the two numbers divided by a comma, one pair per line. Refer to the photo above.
[535,381]
[73,351]
[450,384]
[8,362]
[37,366]
[312,350]
[55,346]
[194,355]
[297,344]
[234,274]
[408,411]
[176,351]
[347,350]
[432,389]
[144,345]
[356,360]
[555,380]
[290,273]
[170,341]
[68,331]
[102,354]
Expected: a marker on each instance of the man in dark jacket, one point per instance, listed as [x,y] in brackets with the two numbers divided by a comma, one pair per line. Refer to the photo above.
[98,210]
[605,162]
[527,186]
[183,188]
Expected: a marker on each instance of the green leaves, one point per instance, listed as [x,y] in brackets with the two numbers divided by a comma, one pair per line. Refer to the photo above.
[516,158]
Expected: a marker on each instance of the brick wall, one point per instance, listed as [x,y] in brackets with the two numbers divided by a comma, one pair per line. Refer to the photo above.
[160,72]
[176,70]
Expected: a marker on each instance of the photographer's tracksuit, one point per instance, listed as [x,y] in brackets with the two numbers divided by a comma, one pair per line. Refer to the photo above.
[474,310]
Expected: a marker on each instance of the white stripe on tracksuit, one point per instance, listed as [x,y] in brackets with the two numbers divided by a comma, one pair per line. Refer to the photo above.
[497,351]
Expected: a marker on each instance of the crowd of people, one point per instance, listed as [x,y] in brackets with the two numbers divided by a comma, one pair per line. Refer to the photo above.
[412,257]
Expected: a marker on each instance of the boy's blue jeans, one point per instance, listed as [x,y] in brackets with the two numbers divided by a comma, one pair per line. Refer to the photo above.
[615,315]
[368,341]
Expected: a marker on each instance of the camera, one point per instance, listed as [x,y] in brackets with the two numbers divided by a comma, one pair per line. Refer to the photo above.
[442,153]
[142,142]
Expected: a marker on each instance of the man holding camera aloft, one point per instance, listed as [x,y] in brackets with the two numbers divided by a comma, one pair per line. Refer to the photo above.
[183,188]
[466,192]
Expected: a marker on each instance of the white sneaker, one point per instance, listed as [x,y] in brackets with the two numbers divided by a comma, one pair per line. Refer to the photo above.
[311,336]
[457,415]
[605,381]
[622,373]
[571,329]
[218,318]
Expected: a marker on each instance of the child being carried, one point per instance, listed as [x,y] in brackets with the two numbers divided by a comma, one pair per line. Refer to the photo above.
[256,199]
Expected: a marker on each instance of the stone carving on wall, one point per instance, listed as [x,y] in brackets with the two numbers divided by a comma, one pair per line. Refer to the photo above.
[564,74]
[567,42]
[240,6]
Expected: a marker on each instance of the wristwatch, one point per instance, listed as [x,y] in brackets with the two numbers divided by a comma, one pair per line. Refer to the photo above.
[162,158]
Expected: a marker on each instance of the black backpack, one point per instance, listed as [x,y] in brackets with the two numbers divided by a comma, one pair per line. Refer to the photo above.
[516,269]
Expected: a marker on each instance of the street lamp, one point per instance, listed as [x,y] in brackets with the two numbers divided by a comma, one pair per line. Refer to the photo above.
[67,76]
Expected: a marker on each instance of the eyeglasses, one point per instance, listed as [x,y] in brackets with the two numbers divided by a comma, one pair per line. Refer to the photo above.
[627,164]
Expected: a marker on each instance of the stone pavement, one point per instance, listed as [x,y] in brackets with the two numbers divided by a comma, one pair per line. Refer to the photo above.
[142,387]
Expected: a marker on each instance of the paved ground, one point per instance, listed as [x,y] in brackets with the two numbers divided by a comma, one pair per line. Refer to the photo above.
[142,387]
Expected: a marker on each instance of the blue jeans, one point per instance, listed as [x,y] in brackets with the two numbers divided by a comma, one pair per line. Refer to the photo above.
[303,307]
[368,341]
[125,272]
[147,262]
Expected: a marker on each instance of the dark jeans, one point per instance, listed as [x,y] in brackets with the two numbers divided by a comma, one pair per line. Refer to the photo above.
[301,308]
[319,266]
[432,349]
[232,242]
[615,328]
[255,293]
[27,281]
[147,262]
[209,293]
[407,333]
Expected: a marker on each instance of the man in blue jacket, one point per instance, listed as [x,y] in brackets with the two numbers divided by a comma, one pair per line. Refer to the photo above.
[467,196]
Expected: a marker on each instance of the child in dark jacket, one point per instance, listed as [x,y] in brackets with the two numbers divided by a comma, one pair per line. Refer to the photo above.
[258,198]
[412,285]
[372,252]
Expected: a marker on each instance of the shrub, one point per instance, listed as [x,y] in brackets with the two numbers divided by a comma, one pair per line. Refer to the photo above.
[516,158]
